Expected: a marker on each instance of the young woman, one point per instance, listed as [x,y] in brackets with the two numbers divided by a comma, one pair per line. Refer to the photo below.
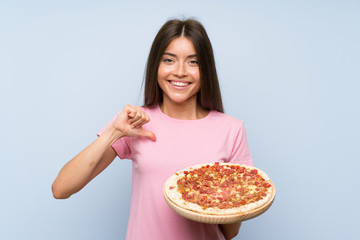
[181,124]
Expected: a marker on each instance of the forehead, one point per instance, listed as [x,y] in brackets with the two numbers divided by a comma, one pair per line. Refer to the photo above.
[181,45]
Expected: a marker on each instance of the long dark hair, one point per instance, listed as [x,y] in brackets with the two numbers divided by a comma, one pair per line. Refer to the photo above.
[209,96]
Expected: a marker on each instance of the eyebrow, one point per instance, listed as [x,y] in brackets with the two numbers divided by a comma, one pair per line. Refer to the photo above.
[174,55]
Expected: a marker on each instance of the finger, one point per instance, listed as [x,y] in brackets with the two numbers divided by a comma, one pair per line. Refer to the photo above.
[144,133]
[141,114]
[141,121]
[138,116]
[131,111]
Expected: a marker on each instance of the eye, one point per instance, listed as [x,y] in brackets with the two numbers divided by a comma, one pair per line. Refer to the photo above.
[167,60]
[193,62]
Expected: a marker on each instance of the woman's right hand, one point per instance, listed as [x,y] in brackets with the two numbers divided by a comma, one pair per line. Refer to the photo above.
[99,154]
[130,120]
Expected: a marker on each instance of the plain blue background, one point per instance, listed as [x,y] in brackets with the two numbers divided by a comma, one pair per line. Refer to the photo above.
[289,69]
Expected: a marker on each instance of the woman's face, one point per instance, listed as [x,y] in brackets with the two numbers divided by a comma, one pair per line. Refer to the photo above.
[178,73]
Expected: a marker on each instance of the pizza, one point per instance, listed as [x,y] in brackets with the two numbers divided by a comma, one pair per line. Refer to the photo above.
[219,189]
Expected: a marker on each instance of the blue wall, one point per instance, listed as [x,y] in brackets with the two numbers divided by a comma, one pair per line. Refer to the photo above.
[289,69]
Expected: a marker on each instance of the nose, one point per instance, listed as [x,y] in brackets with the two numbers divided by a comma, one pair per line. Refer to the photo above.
[180,70]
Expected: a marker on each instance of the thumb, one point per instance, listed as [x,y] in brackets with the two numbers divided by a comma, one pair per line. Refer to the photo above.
[144,133]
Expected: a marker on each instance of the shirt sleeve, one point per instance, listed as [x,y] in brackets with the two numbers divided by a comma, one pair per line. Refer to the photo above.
[121,146]
[240,153]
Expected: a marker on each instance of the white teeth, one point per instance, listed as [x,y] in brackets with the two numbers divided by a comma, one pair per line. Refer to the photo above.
[180,84]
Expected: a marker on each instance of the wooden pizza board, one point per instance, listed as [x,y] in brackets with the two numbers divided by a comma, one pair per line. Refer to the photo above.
[220,219]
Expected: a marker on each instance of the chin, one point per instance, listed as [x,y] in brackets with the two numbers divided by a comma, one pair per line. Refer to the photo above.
[182,100]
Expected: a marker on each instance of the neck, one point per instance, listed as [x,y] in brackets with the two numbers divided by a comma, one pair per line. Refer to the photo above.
[188,111]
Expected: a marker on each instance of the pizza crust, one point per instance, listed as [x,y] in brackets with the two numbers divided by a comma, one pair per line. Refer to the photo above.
[175,197]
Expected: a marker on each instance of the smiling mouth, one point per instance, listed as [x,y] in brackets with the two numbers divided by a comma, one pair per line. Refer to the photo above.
[179,84]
